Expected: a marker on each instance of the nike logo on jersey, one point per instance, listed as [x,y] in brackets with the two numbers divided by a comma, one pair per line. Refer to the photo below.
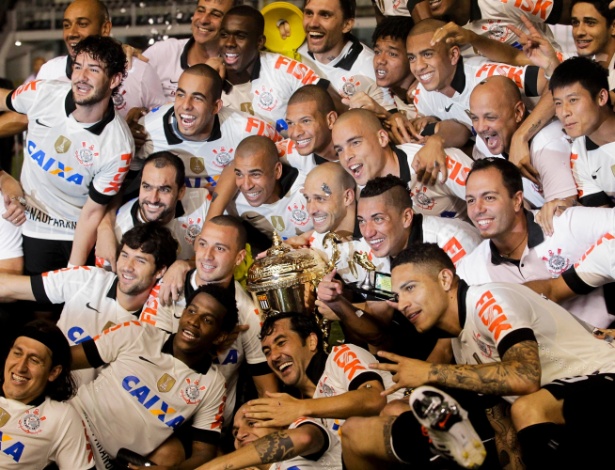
[91,308]
[174,83]
[41,124]
[448,108]
[253,217]
[595,173]
[146,360]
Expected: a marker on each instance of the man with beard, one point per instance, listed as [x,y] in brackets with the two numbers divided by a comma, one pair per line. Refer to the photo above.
[163,198]
[77,155]
[95,299]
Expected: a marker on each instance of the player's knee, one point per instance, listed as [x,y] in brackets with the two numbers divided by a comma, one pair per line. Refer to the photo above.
[395,408]
[353,433]
[525,412]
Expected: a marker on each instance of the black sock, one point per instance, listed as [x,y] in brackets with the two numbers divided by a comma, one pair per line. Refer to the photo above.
[543,446]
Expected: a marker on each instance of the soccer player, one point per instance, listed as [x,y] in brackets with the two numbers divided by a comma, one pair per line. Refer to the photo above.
[507,347]
[515,248]
[77,155]
[270,196]
[219,248]
[158,381]
[363,148]
[171,57]
[38,426]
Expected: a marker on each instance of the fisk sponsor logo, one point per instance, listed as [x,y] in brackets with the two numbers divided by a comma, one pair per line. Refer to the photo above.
[30,86]
[539,8]
[346,359]
[514,73]
[255,126]
[298,70]
[492,315]
[121,172]
[604,238]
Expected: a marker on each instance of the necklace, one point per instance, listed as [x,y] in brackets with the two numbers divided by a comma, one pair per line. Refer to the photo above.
[510,253]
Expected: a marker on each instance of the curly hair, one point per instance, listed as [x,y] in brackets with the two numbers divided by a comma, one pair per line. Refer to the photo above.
[155,239]
[106,50]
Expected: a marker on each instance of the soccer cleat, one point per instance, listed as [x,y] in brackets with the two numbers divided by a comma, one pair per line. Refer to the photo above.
[448,426]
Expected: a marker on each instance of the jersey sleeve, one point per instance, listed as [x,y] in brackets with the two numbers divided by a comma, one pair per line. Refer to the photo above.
[351,366]
[12,246]
[251,339]
[155,314]
[422,102]
[60,286]
[458,165]
[72,449]
[24,98]
[459,241]
[553,164]
[526,77]
[584,225]
[109,178]
[583,178]
[117,339]
[597,266]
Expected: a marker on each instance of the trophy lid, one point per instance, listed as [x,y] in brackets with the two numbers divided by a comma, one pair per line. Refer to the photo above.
[285,267]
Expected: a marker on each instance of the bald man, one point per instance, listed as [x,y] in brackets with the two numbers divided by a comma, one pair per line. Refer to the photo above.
[270,196]
[364,150]
[497,111]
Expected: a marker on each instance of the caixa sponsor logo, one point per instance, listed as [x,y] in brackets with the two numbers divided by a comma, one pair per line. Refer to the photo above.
[53,166]
[152,402]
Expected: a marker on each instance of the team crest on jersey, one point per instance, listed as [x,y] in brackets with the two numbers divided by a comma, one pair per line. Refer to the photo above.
[497,30]
[266,99]
[326,389]
[278,223]
[31,422]
[223,157]
[485,349]
[118,100]
[165,383]
[423,200]
[298,214]
[191,392]
[192,228]
[197,164]
[85,155]
[556,263]
[350,86]
[4,417]
[62,144]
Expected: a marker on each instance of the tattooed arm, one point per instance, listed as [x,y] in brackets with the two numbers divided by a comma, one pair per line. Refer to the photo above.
[518,373]
[278,446]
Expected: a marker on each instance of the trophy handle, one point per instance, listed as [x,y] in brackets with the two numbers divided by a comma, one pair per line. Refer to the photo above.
[332,239]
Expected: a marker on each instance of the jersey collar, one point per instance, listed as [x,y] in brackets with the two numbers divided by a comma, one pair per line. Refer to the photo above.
[168,121]
[183,59]
[69,66]
[416,229]
[535,237]
[36,402]
[350,56]
[97,128]
[459,79]
[590,144]
[289,175]
[475,13]
[404,166]
[462,293]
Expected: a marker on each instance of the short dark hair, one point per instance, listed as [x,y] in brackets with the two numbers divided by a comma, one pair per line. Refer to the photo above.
[394,27]
[395,189]
[106,50]
[588,73]
[231,221]
[511,176]
[313,93]
[429,255]
[602,6]
[348,7]
[63,387]
[155,239]
[103,11]
[248,11]
[165,158]
[226,298]
[204,70]
[302,324]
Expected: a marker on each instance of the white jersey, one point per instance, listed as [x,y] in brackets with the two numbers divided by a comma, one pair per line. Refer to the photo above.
[144,393]
[204,160]
[550,155]
[456,237]
[275,78]
[595,268]
[593,168]
[467,76]
[141,87]
[446,199]
[287,151]
[64,161]
[288,216]
[10,236]
[35,435]
[246,348]
[496,316]
[350,72]
[169,58]
[190,214]
[392,7]
[576,230]
[331,458]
